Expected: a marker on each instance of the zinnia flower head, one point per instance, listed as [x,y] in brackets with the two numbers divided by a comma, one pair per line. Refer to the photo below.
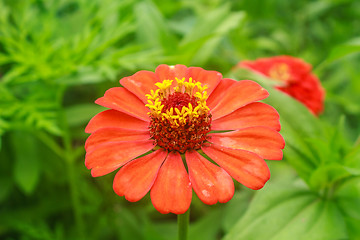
[159,122]
[295,78]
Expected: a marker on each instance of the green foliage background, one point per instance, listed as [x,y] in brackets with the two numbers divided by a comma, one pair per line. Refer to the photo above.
[58,56]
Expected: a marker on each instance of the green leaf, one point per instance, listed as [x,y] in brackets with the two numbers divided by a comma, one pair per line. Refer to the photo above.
[353,228]
[150,232]
[232,21]
[235,208]
[282,212]
[80,114]
[6,185]
[27,164]
[352,158]
[348,198]
[35,113]
[129,226]
[200,230]
[296,151]
[344,50]
[6,165]
[152,28]
[207,23]
[213,25]
[167,229]
[14,73]
[326,175]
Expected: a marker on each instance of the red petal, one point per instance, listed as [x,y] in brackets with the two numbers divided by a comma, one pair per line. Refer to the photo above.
[239,94]
[97,172]
[113,118]
[140,83]
[210,182]
[120,99]
[245,167]
[109,156]
[263,141]
[297,67]
[219,92]
[165,72]
[172,188]
[136,178]
[209,78]
[114,135]
[253,114]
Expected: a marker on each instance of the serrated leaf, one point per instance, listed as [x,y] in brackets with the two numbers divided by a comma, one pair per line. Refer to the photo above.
[282,212]
[27,163]
[37,114]
[14,73]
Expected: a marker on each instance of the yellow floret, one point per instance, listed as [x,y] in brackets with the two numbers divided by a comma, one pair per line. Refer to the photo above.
[174,115]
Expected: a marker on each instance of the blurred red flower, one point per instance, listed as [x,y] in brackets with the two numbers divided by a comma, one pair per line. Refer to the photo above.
[295,78]
[159,121]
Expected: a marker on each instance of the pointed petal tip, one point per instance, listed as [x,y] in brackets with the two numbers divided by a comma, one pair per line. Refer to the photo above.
[100,101]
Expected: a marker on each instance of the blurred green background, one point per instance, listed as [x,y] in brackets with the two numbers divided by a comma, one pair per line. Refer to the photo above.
[58,56]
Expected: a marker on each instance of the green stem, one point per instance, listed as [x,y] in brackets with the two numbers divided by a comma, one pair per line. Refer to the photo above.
[183,225]
[74,194]
[357,141]
[50,143]
[70,158]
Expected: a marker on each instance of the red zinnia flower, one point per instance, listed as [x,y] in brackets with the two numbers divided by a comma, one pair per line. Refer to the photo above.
[295,76]
[159,121]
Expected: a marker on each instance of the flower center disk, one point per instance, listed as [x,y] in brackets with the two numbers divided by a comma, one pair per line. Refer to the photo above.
[180,119]
[280,72]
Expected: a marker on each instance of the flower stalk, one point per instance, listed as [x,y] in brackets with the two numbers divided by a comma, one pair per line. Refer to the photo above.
[183,225]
